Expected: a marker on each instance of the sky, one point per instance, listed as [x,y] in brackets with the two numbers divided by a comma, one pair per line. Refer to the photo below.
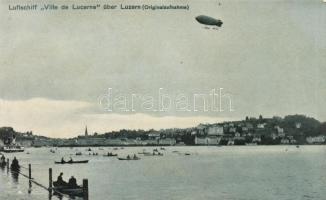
[268,56]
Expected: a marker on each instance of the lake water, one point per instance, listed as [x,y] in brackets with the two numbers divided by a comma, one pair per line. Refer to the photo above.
[228,172]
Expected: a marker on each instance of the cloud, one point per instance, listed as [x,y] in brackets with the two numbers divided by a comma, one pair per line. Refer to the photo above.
[58,118]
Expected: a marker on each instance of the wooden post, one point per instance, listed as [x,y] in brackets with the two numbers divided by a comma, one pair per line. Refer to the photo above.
[29,171]
[50,180]
[85,189]
[30,176]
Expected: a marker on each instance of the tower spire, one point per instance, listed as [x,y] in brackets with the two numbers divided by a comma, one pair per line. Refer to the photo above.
[86,132]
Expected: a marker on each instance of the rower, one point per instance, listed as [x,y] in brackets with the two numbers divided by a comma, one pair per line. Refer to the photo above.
[72,182]
[62,160]
[60,180]
[15,163]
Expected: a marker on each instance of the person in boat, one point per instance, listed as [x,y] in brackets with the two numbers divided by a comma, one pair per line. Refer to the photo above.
[72,183]
[62,160]
[128,157]
[135,157]
[2,161]
[60,180]
[70,160]
[15,163]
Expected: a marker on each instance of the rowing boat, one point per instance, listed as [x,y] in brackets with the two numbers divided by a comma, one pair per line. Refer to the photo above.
[77,191]
[71,162]
[129,158]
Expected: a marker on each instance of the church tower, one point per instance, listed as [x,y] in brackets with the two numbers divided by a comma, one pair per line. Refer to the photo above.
[86,132]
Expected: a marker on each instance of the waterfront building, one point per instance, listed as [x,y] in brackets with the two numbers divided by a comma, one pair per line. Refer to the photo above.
[232,130]
[316,140]
[298,125]
[261,126]
[237,136]
[249,126]
[167,141]
[209,140]
[285,141]
[215,130]
[230,142]
[256,139]
[244,129]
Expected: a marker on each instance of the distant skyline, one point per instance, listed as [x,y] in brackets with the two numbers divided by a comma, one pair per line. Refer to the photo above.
[270,56]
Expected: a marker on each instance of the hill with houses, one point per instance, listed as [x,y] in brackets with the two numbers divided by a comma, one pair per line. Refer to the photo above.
[292,129]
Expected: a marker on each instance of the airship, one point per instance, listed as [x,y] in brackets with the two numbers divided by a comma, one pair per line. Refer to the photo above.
[203,19]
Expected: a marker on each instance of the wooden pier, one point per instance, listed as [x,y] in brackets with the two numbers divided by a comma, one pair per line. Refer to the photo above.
[52,190]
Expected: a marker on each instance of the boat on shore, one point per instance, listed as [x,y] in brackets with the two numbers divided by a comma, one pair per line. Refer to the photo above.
[71,162]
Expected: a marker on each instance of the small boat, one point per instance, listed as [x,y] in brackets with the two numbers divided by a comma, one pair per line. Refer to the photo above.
[76,191]
[129,158]
[298,146]
[52,151]
[89,149]
[162,148]
[147,153]
[187,154]
[154,154]
[12,149]
[78,153]
[144,152]
[111,154]
[71,162]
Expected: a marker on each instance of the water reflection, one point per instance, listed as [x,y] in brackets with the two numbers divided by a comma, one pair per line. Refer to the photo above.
[15,175]
[2,166]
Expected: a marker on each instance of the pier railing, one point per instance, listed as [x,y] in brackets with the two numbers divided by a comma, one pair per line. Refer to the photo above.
[50,189]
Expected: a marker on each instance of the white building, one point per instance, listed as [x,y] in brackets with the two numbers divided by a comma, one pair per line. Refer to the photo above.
[316,140]
[167,141]
[215,130]
[210,140]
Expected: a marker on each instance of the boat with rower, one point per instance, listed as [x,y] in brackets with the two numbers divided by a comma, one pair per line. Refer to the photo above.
[76,191]
[71,162]
[110,154]
[129,158]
